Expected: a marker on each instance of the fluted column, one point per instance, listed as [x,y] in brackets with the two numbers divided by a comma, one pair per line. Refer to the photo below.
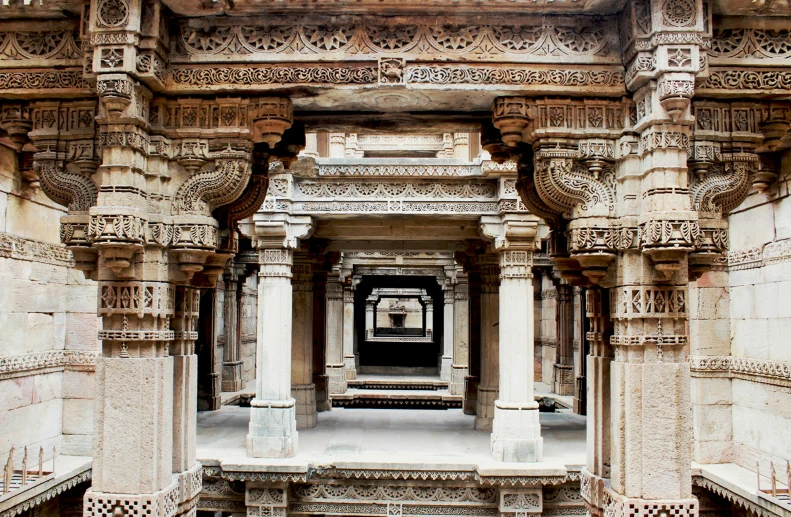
[461,334]
[447,334]
[516,433]
[273,422]
[490,342]
[302,388]
[349,334]
[563,375]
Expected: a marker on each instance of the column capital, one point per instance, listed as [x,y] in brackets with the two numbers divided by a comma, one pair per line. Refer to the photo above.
[510,231]
[269,231]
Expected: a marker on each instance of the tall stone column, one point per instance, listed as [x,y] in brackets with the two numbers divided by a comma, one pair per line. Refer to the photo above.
[349,334]
[337,145]
[232,363]
[563,375]
[336,370]
[488,386]
[461,334]
[516,434]
[428,304]
[311,145]
[320,377]
[273,419]
[447,333]
[472,380]
[370,317]
[302,388]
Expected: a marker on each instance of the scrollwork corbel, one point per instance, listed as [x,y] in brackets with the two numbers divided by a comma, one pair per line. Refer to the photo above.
[74,190]
[204,191]
[724,186]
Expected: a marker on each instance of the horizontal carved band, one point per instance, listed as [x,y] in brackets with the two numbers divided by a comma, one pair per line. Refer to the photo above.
[764,371]
[20,248]
[53,360]
[777,252]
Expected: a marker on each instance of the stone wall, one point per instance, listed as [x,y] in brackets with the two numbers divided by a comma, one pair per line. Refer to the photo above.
[49,326]
[760,312]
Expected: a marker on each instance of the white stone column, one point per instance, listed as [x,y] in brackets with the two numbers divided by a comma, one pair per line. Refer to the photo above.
[461,146]
[302,388]
[429,305]
[370,317]
[461,334]
[516,433]
[490,342]
[232,363]
[337,145]
[273,422]
[447,334]
[311,145]
[349,334]
[336,371]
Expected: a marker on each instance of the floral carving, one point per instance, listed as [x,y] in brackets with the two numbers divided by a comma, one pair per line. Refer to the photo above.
[723,187]
[564,184]
[274,75]
[721,79]
[678,13]
[439,74]
[207,190]
[388,38]
[112,13]
[751,43]
[69,79]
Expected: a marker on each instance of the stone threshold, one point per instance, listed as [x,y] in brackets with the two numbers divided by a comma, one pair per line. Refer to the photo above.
[394,399]
[397,384]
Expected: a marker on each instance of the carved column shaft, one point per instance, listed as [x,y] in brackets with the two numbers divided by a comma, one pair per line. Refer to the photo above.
[232,364]
[335,326]
[490,342]
[447,334]
[461,335]
[472,381]
[320,377]
[302,388]
[564,319]
[516,434]
[273,424]
[349,334]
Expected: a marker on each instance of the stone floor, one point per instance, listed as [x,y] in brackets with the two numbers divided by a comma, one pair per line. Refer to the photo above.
[388,435]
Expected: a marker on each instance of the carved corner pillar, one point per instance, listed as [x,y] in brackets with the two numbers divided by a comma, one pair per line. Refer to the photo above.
[516,431]
[461,333]
[336,369]
[273,422]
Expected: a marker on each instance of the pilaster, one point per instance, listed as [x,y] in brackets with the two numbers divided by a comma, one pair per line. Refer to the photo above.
[448,331]
[461,334]
[349,333]
[488,384]
[336,370]
[563,374]
[232,363]
[302,388]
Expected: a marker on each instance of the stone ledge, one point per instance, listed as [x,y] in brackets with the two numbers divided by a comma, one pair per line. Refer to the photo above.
[736,484]
[70,472]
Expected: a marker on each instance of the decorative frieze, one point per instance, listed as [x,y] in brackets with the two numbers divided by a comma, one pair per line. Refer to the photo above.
[764,371]
[20,248]
[37,82]
[61,46]
[198,78]
[47,362]
[777,252]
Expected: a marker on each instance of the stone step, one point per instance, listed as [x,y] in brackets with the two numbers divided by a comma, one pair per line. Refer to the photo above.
[397,384]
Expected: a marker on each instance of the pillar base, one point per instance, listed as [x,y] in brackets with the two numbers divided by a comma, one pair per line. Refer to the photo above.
[470,401]
[563,377]
[485,410]
[232,376]
[336,374]
[305,395]
[516,433]
[457,374]
[445,368]
[351,367]
[322,393]
[273,429]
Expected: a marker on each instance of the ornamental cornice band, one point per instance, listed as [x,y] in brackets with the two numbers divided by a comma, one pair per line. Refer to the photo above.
[47,362]
[20,248]
[515,75]
[201,78]
[747,81]
[776,373]
[45,80]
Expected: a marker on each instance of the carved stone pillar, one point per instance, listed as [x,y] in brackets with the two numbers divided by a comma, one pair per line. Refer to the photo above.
[336,370]
[337,145]
[461,334]
[349,334]
[447,334]
[311,146]
[564,367]
[490,341]
[516,434]
[370,317]
[461,146]
[320,377]
[302,388]
[232,316]
[273,419]
[428,304]
[472,381]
